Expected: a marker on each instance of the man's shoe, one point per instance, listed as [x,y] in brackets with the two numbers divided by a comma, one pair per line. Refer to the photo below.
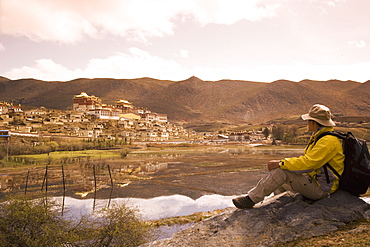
[243,202]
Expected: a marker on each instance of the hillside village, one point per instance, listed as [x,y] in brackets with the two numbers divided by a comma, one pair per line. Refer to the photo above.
[91,118]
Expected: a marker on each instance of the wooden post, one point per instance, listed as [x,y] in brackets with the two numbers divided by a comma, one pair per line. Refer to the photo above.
[64,190]
[28,174]
[45,180]
[94,186]
[111,184]
[7,150]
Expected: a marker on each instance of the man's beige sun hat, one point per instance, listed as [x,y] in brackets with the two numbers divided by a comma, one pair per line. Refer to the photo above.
[320,114]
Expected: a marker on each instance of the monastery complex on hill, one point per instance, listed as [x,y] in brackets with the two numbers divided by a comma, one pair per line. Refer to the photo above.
[123,110]
[91,118]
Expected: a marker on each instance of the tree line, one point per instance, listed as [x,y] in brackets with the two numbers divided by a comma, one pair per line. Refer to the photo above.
[23,147]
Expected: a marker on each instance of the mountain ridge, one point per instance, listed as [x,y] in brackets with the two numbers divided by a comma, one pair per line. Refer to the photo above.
[194,100]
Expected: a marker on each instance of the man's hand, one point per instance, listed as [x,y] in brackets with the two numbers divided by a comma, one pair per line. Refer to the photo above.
[273,164]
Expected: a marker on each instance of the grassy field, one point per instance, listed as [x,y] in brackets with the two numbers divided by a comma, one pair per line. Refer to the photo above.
[94,154]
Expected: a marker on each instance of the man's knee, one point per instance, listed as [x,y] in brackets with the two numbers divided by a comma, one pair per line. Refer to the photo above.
[278,173]
[277,176]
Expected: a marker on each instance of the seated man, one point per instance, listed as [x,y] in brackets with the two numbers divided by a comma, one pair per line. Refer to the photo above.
[304,174]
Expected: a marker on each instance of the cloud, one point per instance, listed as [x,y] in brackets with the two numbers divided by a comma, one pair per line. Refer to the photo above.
[183,54]
[358,44]
[135,63]
[334,2]
[42,20]
[70,21]
[230,11]
[359,72]
[2,48]
[44,69]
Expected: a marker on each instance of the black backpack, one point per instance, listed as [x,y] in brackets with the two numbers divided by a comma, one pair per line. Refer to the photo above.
[356,175]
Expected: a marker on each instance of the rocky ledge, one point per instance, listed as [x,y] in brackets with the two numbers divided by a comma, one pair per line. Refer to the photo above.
[279,219]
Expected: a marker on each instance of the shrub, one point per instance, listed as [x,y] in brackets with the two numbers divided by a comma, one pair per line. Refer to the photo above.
[120,226]
[124,152]
[25,222]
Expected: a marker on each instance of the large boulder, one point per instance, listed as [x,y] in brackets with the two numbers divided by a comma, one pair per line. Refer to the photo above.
[279,219]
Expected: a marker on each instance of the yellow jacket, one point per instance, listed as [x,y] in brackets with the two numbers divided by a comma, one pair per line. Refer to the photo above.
[327,149]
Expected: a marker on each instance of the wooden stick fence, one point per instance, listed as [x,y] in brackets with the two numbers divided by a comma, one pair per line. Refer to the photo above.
[44,185]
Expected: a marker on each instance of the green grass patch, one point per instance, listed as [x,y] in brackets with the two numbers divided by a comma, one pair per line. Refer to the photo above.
[94,154]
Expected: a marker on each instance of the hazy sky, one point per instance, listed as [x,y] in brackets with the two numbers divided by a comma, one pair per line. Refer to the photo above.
[256,40]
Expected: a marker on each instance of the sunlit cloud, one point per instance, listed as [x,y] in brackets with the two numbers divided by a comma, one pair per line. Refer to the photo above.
[359,72]
[334,2]
[357,43]
[230,11]
[44,69]
[183,54]
[39,20]
[137,63]
[71,21]
[331,3]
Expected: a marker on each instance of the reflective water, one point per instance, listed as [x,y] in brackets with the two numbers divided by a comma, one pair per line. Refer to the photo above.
[87,176]
[153,208]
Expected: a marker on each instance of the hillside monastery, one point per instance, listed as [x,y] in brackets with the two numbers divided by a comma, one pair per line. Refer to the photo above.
[91,118]
[122,110]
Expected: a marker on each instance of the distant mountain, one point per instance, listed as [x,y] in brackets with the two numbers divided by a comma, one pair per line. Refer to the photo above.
[4,78]
[194,100]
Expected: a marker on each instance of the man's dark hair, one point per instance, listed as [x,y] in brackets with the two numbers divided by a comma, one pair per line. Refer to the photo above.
[320,125]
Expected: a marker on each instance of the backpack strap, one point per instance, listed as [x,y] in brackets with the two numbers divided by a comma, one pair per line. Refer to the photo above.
[326,173]
[340,135]
[333,170]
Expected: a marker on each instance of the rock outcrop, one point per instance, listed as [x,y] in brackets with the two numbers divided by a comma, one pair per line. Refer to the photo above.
[279,219]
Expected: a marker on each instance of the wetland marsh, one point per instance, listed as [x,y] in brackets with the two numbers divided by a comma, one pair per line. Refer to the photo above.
[188,178]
